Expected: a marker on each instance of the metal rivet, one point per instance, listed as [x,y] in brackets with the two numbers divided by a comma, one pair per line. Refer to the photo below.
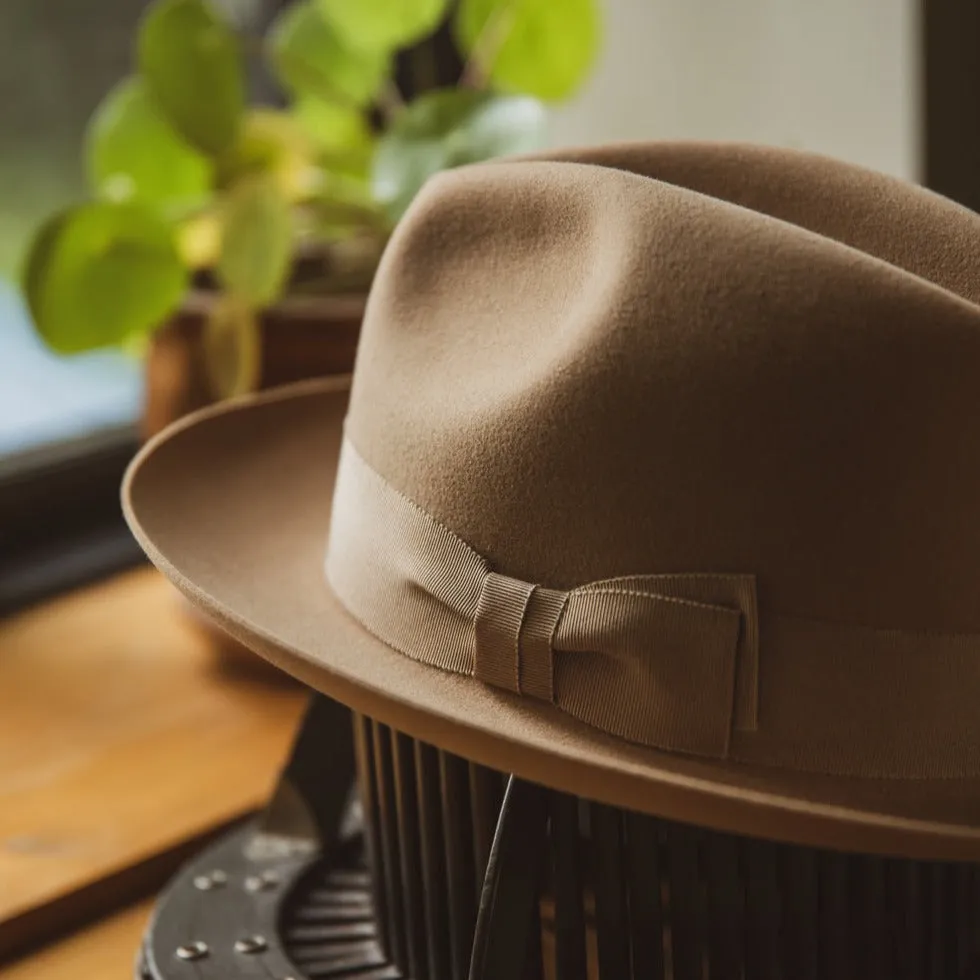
[251,944]
[262,882]
[192,951]
[215,879]
[203,883]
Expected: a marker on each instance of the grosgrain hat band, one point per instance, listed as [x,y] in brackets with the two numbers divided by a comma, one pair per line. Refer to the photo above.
[679,662]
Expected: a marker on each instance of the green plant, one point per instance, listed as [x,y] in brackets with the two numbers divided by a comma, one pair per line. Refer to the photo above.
[190,184]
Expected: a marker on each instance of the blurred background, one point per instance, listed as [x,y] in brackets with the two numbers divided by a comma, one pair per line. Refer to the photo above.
[892,84]
[839,77]
[87,118]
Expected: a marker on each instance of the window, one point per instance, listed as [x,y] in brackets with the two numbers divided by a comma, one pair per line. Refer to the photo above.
[66,425]
[45,399]
[57,58]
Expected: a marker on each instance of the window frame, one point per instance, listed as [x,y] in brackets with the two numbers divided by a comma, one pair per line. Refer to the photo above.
[62,523]
[950,99]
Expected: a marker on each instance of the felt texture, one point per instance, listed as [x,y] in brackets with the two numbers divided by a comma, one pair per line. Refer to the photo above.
[645,379]
[639,360]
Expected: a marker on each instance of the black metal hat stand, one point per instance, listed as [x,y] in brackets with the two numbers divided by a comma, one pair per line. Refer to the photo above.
[382,857]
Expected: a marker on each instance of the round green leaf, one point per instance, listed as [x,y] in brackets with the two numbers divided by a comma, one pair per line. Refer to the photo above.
[190,60]
[383,24]
[341,135]
[311,58]
[331,126]
[37,261]
[256,242]
[447,128]
[134,154]
[538,47]
[100,274]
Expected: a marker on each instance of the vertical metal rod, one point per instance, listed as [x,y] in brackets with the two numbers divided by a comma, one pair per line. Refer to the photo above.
[643,873]
[366,782]
[568,887]
[762,960]
[942,941]
[834,915]
[907,933]
[433,862]
[388,822]
[407,813]
[534,955]
[686,916]
[869,937]
[725,907]
[609,884]
[510,900]
[966,923]
[486,795]
[458,828]
[800,912]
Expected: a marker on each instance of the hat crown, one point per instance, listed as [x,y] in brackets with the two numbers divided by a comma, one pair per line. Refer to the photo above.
[587,369]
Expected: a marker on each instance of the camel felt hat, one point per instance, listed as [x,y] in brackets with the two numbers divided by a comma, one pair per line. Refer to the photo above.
[657,482]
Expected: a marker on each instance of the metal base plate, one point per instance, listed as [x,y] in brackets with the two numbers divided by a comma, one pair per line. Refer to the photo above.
[254,905]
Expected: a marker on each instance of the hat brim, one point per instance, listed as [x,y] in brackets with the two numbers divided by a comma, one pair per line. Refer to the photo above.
[233,505]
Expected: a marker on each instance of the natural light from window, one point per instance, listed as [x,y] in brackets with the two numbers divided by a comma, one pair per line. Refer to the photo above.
[57,59]
[45,398]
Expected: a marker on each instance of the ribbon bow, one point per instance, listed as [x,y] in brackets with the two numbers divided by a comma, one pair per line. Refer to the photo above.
[668,661]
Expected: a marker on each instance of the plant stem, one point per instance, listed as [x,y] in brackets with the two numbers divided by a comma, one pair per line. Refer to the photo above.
[423,68]
[476,71]
[390,101]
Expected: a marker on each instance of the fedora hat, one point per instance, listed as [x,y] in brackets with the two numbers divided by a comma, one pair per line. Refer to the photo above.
[657,481]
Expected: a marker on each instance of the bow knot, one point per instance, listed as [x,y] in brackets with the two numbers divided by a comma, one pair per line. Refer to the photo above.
[514,629]
[633,656]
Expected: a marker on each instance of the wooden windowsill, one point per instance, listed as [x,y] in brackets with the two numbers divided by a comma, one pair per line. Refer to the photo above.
[125,740]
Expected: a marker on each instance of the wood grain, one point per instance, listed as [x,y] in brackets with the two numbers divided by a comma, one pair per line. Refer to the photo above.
[105,950]
[121,739]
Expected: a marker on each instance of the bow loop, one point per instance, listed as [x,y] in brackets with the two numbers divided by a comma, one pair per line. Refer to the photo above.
[668,666]
[514,635]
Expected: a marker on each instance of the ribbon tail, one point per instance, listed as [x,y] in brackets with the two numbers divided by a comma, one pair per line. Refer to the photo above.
[649,668]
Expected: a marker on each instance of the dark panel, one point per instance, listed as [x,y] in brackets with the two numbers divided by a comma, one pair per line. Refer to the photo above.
[951,49]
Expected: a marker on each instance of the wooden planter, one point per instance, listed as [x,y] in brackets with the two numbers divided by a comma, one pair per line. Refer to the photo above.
[302,337]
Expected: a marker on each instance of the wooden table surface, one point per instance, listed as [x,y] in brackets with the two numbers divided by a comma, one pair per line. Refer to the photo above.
[125,740]
[105,950]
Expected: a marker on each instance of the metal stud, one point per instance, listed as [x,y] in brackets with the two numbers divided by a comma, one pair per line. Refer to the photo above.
[214,879]
[261,882]
[192,951]
[249,945]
